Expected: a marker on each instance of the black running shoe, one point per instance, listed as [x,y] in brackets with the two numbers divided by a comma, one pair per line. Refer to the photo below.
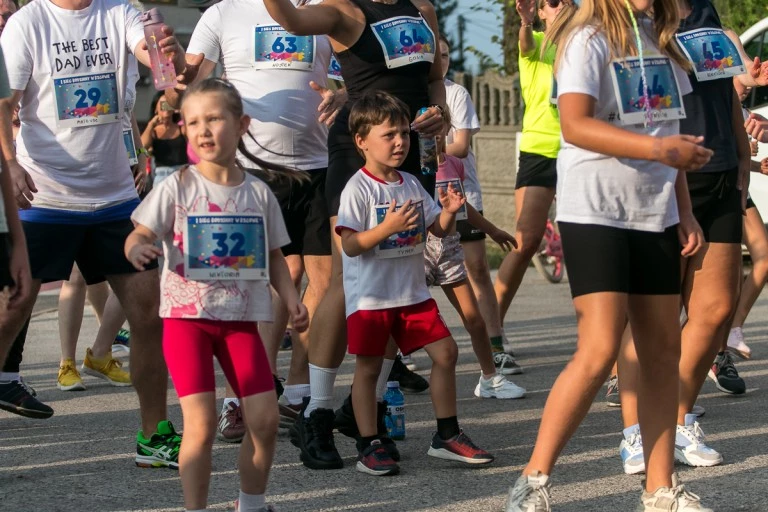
[724,373]
[19,399]
[278,385]
[410,382]
[346,424]
[314,437]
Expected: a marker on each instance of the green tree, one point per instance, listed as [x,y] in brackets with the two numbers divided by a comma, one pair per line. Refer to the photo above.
[739,15]
[444,10]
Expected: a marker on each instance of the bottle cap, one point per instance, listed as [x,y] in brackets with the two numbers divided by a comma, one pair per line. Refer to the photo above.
[151,16]
[423,110]
[393,384]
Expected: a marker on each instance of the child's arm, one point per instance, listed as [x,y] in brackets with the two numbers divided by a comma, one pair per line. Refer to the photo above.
[452,201]
[19,264]
[280,279]
[140,248]
[501,237]
[356,243]
[689,232]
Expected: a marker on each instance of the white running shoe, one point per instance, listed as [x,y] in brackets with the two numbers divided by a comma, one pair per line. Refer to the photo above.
[529,494]
[631,451]
[736,344]
[690,447]
[665,499]
[498,387]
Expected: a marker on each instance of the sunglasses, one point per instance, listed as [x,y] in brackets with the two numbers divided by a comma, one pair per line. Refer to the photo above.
[553,3]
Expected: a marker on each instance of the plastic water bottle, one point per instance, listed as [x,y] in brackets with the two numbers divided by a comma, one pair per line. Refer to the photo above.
[427,152]
[395,418]
[163,71]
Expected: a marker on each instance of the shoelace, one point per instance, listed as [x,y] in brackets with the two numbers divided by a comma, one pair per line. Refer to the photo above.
[689,497]
[698,434]
[635,440]
[464,439]
[531,495]
[111,365]
[503,358]
[727,367]
[29,389]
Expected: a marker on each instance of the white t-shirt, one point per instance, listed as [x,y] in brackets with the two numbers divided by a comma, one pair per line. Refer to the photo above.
[245,39]
[129,100]
[5,92]
[165,211]
[69,65]
[378,279]
[464,117]
[597,189]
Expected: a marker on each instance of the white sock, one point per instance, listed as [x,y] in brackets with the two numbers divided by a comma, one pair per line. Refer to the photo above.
[489,377]
[381,384]
[251,502]
[228,401]
[321,381]
[295,393]
[9,376]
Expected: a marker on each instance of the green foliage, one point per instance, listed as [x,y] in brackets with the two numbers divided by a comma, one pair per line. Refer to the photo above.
[739,15]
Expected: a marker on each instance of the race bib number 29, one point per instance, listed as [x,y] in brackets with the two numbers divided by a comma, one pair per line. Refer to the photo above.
[274,48]
[86,100]
[405,40]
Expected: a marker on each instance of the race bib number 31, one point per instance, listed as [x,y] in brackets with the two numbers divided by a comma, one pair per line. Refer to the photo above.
[663,90]
[274,48]
[712,53]
[222,246]
[405,243]
[405,40]
[86,100]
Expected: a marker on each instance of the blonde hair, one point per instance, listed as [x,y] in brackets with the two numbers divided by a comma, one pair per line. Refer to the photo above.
[612,19]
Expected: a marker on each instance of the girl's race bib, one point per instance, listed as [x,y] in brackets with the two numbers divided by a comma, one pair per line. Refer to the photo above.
[405,40]
[666,102]
[712,53]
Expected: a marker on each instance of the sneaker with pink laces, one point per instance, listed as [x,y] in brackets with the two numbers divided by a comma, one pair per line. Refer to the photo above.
[231,426]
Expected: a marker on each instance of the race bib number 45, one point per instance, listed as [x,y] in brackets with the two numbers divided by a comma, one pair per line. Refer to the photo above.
[712,53]
[405,40]
[405,243]
[223,246]
[274,48]
[86,100]
[663,90]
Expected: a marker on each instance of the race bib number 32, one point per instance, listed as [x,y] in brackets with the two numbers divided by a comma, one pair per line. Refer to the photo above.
[405,40]
[274,48]
[712,53]
[86,100]
[405,243]
[663,90]
[222,246]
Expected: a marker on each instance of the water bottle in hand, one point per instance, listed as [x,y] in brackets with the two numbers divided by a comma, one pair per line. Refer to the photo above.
[163,71]
[427,152]
[395,418]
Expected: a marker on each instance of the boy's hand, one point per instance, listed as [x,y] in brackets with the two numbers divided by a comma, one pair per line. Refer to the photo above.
[451,199]
[506,241]
[404,219]
[299,317]
[141,254]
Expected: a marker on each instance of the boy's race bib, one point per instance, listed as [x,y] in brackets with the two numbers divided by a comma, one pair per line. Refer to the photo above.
[405,40]
[405,243]
[86,100]
[225,246]
[712,53]
[275,48]
[663,90]
[457,185]
[130,147]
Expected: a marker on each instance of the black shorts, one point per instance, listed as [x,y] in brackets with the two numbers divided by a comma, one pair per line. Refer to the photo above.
[717,205]
[468,232]
[536,171]
[608,259]
[5,261]
[98,250]
[305,214]
[344,161]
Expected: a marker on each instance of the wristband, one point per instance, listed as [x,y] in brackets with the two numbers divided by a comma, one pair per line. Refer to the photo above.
[440,108]
[142,151]
[525,25]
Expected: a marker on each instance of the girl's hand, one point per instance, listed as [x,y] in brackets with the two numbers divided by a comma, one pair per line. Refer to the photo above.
[757,127]
[430,123]
[299,317]
[404,219]
[690,234]
[506,241]
[451,199]
[764,166]
[683,152]
[142,254]
[527,10]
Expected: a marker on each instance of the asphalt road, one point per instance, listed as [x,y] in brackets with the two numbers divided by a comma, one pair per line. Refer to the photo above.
[81,459]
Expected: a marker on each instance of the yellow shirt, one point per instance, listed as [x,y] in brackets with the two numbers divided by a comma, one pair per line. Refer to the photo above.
[541,126]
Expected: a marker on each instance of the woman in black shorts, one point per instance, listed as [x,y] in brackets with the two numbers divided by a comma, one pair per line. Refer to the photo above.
[387,45]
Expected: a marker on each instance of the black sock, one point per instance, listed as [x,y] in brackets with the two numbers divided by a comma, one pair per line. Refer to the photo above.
[447,427]
[278,385]
[365,442]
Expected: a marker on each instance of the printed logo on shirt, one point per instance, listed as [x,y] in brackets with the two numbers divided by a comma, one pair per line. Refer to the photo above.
[405,243]
[405,40]
[225,246]
[712,53]
[275,48]
[664,95]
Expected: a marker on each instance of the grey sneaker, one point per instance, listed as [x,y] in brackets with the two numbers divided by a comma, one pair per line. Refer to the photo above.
[612,398]
[529,494]
[690,447]
[665,499]
[505,364]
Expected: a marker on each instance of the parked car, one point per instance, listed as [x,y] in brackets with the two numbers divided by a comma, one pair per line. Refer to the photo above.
[755,41]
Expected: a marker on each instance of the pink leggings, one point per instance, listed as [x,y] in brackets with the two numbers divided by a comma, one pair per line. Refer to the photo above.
[190,344]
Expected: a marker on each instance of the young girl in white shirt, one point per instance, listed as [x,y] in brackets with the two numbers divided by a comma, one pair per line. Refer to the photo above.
[222,231]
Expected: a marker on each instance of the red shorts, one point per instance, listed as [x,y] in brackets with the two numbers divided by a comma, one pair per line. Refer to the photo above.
[190,344]
[412,327]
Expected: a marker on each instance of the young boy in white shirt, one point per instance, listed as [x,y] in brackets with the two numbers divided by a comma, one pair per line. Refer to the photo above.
[383,221]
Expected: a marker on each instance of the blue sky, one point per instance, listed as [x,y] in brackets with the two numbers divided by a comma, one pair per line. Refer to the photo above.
[480,27]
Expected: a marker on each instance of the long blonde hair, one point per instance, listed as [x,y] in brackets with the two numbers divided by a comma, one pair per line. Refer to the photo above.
[612,19]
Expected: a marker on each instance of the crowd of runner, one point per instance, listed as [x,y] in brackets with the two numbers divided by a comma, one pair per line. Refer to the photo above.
[282,200]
